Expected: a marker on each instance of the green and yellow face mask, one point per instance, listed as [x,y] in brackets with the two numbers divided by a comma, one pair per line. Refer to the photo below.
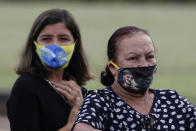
[55,56]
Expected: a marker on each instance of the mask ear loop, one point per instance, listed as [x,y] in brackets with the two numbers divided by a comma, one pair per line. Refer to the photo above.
[155,70]
[111,62]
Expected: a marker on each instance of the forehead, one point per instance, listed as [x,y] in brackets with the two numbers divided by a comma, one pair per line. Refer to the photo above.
[135,43]
[55,28]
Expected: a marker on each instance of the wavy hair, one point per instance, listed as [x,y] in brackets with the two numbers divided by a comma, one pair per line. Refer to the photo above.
[77,69]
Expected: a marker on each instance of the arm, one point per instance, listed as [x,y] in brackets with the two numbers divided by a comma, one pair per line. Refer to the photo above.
[84,127]
[72,117]
[92,115]
[73,94]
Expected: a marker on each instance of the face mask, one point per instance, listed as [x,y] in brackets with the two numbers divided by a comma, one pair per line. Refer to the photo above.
[55,56]
[135,80]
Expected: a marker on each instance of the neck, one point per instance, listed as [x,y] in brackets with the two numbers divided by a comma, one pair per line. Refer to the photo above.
[56,75]
[136,98]
[141,103]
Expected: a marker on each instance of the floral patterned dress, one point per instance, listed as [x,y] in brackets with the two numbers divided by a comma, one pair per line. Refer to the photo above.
[105,110]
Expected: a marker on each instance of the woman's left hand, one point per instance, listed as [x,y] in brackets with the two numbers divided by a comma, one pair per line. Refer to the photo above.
[73,93]
[70,90]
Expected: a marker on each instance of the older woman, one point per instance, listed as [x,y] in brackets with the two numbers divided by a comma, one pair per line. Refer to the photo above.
[128,104]
[53,69]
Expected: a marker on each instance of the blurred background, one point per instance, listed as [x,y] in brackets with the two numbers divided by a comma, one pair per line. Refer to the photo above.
[171,23]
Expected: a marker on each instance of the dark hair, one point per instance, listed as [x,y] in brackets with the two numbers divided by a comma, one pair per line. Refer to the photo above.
[106,76]
[77,69]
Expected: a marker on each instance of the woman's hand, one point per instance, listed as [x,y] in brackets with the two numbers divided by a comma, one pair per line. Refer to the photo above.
[71,91]
[74,97]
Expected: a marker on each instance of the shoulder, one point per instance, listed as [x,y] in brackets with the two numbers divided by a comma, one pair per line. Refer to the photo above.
[168,94]
[101,93]
[28,82]
[25,89]
[164,94]
[172,97]
[95,109]
[28,78]
[97,97]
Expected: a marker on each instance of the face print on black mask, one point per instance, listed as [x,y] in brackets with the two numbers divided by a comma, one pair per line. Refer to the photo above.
[127,80]
[135,80]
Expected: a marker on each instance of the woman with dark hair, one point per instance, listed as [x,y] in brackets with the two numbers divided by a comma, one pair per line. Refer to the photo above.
[53,69]
[128,104]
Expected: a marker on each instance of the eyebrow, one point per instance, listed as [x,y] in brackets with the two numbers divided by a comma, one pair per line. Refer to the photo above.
[48,35]
[45,35]
[64,35]
[134,53]
[149,52]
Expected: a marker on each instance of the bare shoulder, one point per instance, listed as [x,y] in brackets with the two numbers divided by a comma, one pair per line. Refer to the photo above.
[84,127]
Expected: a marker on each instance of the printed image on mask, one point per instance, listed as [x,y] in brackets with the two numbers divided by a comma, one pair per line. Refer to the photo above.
[135,80]
[55,56]
[128,81]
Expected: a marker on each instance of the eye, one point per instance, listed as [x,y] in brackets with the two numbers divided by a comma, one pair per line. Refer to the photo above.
[150,57]
[63,39]
[132,58]
[46,39]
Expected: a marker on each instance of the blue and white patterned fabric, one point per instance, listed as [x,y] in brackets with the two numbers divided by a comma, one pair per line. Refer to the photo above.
[105,110]
[53,56]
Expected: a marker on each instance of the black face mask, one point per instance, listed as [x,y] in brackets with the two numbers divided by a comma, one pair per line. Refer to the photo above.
[136,80]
